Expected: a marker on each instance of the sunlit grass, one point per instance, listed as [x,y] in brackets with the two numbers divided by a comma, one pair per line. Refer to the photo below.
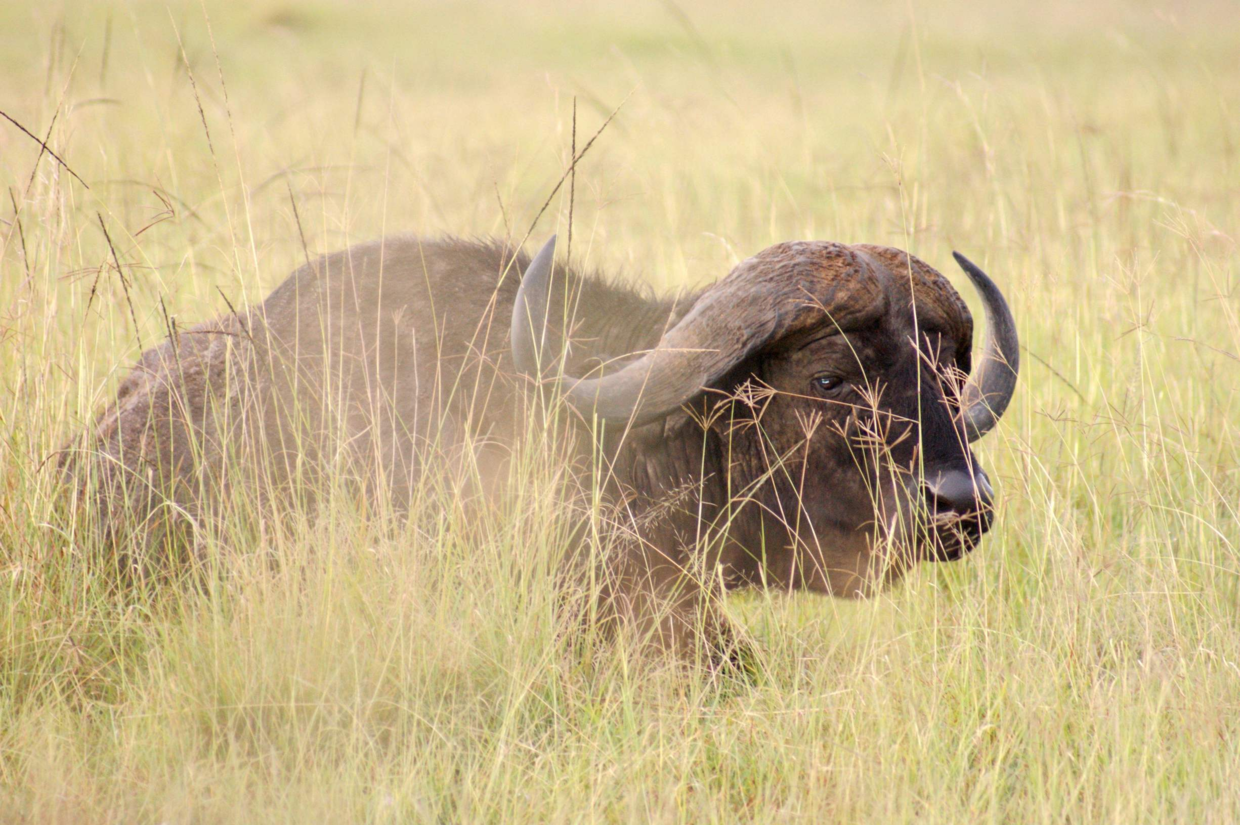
[1083,665]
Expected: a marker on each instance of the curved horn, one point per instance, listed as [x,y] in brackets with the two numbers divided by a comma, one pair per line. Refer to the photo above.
[988,393]
[708,341]
[701,349]
[529,312]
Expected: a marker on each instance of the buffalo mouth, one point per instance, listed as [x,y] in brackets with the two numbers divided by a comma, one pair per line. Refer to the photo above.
[951,539]
[958,508]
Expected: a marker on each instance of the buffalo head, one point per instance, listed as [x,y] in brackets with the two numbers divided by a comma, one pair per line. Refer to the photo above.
[837,384]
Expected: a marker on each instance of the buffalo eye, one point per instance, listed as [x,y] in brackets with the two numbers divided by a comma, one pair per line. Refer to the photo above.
[828,383]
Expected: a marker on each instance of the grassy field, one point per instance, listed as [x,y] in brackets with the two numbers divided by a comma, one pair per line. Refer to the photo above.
[1082,666]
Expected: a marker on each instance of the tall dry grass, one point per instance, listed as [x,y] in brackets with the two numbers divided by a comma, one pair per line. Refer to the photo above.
[1082,665]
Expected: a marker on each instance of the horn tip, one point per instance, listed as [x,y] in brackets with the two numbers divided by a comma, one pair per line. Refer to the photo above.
[975,273]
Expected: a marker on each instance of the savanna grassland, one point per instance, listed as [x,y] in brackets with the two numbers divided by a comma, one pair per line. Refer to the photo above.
[1083,665]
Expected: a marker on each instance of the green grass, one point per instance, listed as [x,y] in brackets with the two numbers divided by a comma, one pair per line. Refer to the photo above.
[1083,665]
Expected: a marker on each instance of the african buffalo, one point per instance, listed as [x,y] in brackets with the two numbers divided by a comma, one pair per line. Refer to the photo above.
[803,423]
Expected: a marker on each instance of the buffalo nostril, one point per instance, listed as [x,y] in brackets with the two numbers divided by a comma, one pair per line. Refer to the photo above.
[960,493]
